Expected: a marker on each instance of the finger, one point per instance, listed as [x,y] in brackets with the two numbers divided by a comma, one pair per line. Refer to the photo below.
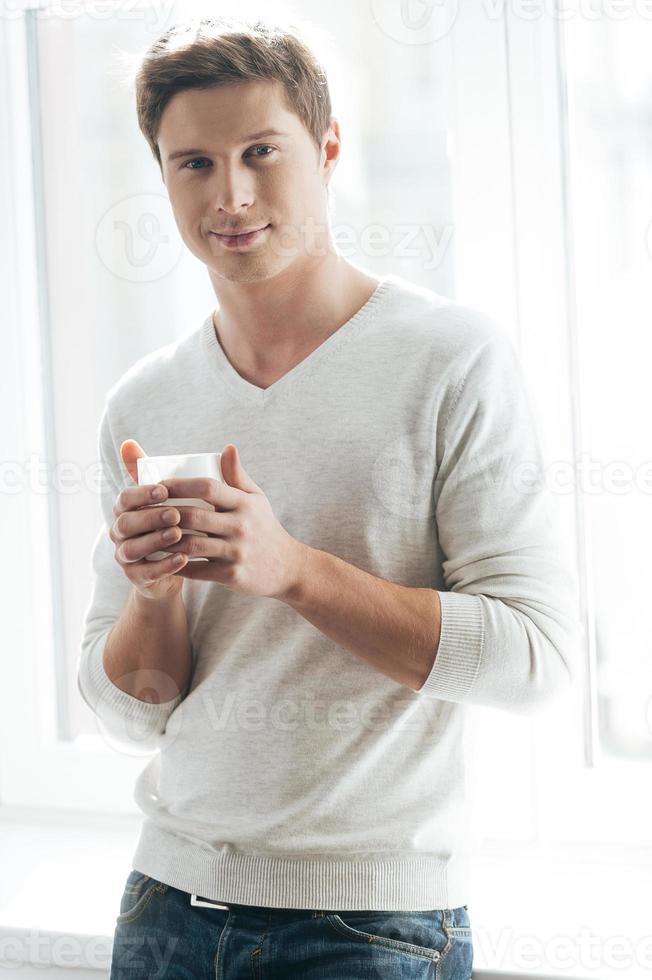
[209,521]
[197,546]
[220,495]
[136,548]
[200,570]
[152,571]
[132,497]
[150,518]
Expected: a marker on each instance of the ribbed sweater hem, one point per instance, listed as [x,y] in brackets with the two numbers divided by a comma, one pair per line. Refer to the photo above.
[392,882]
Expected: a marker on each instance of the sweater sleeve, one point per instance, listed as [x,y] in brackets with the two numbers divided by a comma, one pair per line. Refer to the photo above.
[509,625]
[124,718]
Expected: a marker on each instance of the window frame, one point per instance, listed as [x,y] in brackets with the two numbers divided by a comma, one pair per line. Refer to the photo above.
[525,196]
[40,769]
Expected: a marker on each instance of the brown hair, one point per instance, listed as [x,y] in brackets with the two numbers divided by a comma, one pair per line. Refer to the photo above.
[222,50]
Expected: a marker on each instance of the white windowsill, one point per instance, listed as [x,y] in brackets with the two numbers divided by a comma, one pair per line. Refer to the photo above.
[565,906]
[63,876]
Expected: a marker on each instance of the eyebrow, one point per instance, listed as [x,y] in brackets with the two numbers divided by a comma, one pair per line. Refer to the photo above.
[252,136]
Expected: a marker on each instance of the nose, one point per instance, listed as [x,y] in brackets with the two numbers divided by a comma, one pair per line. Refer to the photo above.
[234,189]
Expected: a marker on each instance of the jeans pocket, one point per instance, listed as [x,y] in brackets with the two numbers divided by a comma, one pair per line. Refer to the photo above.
[457,960]
[419,934]
[137,893]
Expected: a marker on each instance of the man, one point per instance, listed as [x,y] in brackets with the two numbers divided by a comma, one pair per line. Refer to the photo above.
[380,556]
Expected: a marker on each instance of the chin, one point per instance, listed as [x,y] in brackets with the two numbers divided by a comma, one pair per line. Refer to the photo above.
[244,271]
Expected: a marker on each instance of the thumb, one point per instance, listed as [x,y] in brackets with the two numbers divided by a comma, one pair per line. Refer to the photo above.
[131,451]
[234,472]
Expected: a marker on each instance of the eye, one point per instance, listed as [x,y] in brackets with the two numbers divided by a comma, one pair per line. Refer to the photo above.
[263,146]
[185,165]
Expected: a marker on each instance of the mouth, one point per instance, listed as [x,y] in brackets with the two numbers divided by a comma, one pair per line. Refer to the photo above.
[242,239]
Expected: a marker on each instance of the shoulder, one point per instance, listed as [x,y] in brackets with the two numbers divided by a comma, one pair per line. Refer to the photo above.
[455,333]
[151,380]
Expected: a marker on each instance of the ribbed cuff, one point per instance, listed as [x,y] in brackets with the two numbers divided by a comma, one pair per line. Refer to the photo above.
[100,691]
[460,647]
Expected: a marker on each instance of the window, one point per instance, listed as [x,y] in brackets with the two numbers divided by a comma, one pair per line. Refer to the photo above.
[610,88]
[501,159]
[110,280]
[501,167]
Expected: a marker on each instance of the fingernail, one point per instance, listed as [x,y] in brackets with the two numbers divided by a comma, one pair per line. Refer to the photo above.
[158,493]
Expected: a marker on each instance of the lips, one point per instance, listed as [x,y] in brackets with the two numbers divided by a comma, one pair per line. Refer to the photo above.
[238,234]
[241,241]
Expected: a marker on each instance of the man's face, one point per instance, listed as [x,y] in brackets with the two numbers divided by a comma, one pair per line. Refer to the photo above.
[237,183]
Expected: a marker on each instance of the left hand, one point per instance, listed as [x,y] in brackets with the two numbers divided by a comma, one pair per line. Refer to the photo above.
[248,550]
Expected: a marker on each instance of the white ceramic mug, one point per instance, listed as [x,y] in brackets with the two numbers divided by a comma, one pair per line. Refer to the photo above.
[153,469]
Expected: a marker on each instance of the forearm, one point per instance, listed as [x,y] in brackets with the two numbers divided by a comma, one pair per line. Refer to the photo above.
[147,653]
[394,628]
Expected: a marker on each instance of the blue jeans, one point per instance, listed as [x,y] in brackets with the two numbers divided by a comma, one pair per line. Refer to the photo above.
[159,934]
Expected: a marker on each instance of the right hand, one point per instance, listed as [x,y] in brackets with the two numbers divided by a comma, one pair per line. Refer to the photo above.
[137,531]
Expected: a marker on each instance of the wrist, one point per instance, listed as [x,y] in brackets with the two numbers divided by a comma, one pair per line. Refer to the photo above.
[297,572]
[168,600]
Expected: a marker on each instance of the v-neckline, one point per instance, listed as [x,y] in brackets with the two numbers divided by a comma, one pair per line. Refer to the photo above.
[245,391]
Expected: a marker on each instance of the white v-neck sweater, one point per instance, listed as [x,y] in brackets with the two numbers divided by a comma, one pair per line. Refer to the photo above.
[291,773]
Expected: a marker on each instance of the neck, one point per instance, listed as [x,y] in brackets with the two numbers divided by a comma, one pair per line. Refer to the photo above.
[266,326]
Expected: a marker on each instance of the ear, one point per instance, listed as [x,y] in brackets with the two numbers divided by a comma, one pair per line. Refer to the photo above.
[330,152]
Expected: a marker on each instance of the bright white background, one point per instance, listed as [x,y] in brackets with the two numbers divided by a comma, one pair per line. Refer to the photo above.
[505,151]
